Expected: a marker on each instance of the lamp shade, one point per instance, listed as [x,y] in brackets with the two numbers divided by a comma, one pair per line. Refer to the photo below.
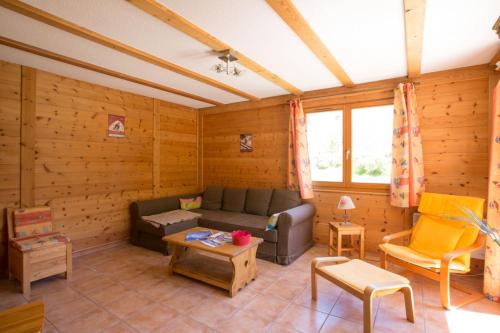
[345,202]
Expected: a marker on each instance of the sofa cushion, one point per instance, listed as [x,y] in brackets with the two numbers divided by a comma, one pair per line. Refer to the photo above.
[283,200]
[229,221]
[212,198]
[156,206]
[257,201]
[234,199]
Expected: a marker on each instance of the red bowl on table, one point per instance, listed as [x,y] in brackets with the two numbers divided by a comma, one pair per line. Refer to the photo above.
[241,237]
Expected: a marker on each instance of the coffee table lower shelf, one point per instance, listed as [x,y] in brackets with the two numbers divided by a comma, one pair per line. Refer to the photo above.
[231,275]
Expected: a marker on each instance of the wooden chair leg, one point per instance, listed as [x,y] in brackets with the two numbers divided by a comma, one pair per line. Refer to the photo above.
[314,284]
[339,243]
[383,260]
[444,285]
[26,277]
[409,305]
[362,245]
[330,241]
[69,262]
[367,311]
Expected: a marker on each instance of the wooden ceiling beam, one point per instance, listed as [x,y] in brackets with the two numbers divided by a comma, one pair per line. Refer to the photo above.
[178,22]
[47,18]
[78,63]
[414,32]
[291,15]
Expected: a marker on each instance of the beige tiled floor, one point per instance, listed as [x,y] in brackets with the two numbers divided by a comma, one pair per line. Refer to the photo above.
[127,289]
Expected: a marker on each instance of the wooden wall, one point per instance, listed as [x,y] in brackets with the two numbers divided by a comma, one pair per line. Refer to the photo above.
[178,149]
[266,166]
[10,133]
[88,178]
[453,108]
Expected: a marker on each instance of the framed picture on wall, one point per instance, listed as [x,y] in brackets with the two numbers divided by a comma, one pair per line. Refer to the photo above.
[116,126]
[246,143]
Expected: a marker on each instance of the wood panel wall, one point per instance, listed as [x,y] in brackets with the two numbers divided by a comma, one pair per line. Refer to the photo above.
[88,178]
[10,139]
[453,108]
[178,150]
[266,166]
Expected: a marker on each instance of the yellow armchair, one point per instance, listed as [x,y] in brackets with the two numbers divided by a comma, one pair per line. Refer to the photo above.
[438,245]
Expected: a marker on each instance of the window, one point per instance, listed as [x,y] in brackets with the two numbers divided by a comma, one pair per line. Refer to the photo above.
[351,146]
[325,142]
[371,134]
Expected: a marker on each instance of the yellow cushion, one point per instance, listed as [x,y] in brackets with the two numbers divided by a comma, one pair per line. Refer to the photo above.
[359,275]
[448,205]
[433,236]
[406,254]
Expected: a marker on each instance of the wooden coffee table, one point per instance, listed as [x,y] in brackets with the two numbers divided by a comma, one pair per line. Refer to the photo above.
[232,274]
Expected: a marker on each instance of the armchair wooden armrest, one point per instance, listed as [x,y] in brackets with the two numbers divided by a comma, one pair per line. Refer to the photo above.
[323,260]
[478,244]
[396,235]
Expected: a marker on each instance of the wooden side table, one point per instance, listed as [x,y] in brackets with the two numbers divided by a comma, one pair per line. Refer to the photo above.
[351,229]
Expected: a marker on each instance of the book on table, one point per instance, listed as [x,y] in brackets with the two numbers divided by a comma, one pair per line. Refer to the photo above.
[198,235]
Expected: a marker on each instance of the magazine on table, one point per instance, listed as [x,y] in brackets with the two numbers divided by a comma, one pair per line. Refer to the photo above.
[198,235]
[208,238]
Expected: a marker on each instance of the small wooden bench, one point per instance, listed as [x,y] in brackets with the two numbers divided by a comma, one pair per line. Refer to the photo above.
[363,280]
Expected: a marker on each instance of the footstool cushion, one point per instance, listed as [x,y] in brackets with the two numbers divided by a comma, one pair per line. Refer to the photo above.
[359,275]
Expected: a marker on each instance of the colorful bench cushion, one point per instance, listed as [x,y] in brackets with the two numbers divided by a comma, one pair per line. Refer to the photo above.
[32,221]
[38,241]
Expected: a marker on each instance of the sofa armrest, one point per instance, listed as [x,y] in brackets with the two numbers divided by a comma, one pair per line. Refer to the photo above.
[295,232]
[294,216]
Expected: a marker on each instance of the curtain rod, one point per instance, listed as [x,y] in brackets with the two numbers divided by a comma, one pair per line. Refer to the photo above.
[351,93]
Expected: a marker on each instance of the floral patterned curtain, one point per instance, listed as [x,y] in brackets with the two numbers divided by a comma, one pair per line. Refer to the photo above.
[299,168]
[407,175]
[492,253]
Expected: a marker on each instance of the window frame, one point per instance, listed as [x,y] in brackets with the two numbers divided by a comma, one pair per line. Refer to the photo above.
[347,183]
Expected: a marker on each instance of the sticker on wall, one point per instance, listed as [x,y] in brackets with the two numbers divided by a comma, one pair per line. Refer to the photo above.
[116,126]
[246,143]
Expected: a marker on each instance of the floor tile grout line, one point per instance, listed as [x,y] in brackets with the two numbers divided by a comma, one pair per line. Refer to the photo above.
[102,308]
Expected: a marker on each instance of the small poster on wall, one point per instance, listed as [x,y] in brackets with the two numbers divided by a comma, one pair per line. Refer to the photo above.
[246,143]
[116,126]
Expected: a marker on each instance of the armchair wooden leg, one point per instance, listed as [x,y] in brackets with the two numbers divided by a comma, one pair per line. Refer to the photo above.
[444,285]
[409,306]
[314,286]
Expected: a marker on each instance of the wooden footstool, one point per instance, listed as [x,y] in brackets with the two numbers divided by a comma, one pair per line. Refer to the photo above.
[363,280]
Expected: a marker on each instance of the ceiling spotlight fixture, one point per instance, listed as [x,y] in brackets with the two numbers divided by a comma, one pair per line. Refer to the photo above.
[228,64]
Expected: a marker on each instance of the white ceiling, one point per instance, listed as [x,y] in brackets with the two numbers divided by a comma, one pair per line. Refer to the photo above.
[366,37]
[457,33]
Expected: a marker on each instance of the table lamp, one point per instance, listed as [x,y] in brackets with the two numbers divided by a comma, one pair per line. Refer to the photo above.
[345,203]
